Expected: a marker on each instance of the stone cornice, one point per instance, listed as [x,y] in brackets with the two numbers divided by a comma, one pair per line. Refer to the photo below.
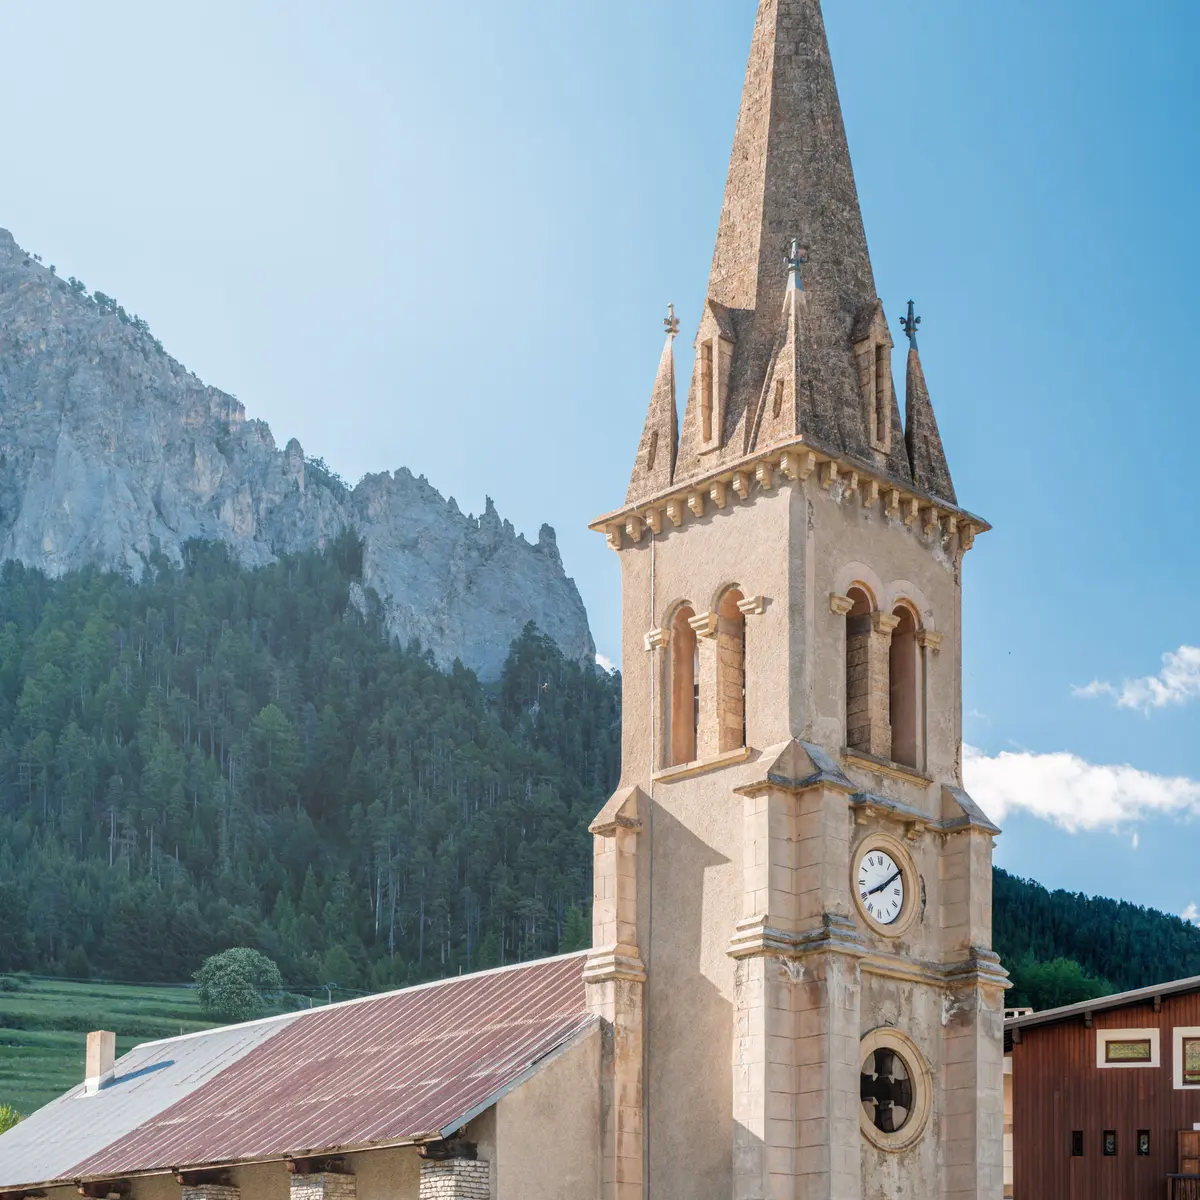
[753,937]
[797,459]
[605,963]
[836,935]
[884,766]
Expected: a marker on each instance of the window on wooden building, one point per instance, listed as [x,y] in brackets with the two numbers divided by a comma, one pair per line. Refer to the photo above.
[1191,1061]
[1133,1050]
[1143,1143]
[1077,1143]
[1109,1143]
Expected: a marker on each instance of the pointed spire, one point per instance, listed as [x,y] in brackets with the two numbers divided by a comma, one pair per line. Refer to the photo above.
[930,470]
[790,189]
[654,467]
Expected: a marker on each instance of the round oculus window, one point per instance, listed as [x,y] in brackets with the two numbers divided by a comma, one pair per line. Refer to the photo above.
[886,1090]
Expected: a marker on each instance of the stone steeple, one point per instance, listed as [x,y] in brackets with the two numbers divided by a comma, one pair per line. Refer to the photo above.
[931,472]
[654,467]
[790,177]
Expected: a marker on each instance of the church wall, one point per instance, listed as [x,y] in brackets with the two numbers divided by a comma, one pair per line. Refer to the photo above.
[696,841]
[744,544]
[910,1174]
[544,1139]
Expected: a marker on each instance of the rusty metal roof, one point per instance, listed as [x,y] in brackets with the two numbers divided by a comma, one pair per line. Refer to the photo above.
[148,1080]
[400,1067]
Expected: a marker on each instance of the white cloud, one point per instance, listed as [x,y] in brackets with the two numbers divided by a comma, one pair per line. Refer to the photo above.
[1177,683]
[606,663]
[1135,841]
[1071,793]
[1191,914]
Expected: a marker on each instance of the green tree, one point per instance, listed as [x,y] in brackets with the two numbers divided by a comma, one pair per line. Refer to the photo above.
[576,933]
[1062,981]
[277,760]
[233,985]
[8,1117]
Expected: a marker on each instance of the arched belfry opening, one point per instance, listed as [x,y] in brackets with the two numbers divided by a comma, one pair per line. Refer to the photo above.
[903,676]
[858,670]
[731,672]
[685,688]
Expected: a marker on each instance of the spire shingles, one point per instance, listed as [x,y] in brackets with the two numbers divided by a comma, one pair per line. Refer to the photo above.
[654,467]
[789,178]
[931,472]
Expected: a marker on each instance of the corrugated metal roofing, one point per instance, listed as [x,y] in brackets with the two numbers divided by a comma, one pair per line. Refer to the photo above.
[149,1079]
[399,1067]
[1103,1003]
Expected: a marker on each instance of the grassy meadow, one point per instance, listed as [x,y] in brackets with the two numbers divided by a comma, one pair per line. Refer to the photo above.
[44,1025]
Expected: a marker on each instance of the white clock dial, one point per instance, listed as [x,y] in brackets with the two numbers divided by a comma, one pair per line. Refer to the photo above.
[880,886]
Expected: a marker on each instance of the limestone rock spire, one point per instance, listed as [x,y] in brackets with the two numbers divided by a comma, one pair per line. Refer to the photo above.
[790,177]
[654,467]
[930,471]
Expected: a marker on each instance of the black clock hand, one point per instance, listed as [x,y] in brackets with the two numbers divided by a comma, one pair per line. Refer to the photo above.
[884,884]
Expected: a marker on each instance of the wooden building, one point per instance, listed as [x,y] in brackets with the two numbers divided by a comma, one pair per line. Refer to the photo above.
[1106,1097]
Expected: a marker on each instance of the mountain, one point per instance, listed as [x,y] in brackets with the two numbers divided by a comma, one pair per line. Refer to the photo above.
[112,453]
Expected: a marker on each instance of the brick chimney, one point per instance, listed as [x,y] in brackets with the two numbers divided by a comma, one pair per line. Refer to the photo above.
[101,1055]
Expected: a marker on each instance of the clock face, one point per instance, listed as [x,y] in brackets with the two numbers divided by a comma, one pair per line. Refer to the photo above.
[880,886]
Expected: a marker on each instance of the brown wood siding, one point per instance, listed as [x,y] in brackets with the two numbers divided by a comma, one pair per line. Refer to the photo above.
[1057,1088]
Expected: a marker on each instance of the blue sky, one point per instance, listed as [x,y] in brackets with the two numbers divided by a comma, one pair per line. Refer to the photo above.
[443,236]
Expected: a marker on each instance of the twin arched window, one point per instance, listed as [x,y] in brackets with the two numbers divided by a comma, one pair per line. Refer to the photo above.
[883,680]
[707,694]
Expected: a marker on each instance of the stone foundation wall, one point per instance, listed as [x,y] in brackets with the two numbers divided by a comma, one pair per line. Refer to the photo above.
[326,1186]
[456,1179]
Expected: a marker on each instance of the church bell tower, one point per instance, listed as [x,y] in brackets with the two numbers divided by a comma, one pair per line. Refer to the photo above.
[792,915]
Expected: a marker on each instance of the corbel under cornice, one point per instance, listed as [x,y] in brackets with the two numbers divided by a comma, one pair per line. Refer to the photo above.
[797,459]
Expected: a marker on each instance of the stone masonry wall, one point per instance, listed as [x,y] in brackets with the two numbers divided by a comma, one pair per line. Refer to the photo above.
[325,1186]
[456,1179]
[210,1191]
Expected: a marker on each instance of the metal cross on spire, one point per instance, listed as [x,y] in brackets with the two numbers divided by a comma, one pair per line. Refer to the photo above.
[909,325]
[797,256]
[671,321]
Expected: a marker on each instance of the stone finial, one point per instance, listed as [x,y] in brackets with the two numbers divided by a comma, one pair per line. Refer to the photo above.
[909,325]
[797,256]
[671,321]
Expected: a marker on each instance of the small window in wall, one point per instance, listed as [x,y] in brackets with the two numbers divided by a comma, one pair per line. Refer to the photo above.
[1077,1143]
[731,672]
[777,407]
[707,389]
[1191,1061]
[883,396]
[1135,1050]
[1143,1143]
[1185,1046]
[905,700]
[1109,1143]
[653,452]
[858,671]
[1118,1049]
[685,689]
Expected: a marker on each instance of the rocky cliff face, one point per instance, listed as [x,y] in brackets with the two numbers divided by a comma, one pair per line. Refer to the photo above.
[110,452]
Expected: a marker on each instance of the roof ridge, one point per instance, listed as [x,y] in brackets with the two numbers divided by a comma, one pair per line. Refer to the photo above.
[342,1004]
